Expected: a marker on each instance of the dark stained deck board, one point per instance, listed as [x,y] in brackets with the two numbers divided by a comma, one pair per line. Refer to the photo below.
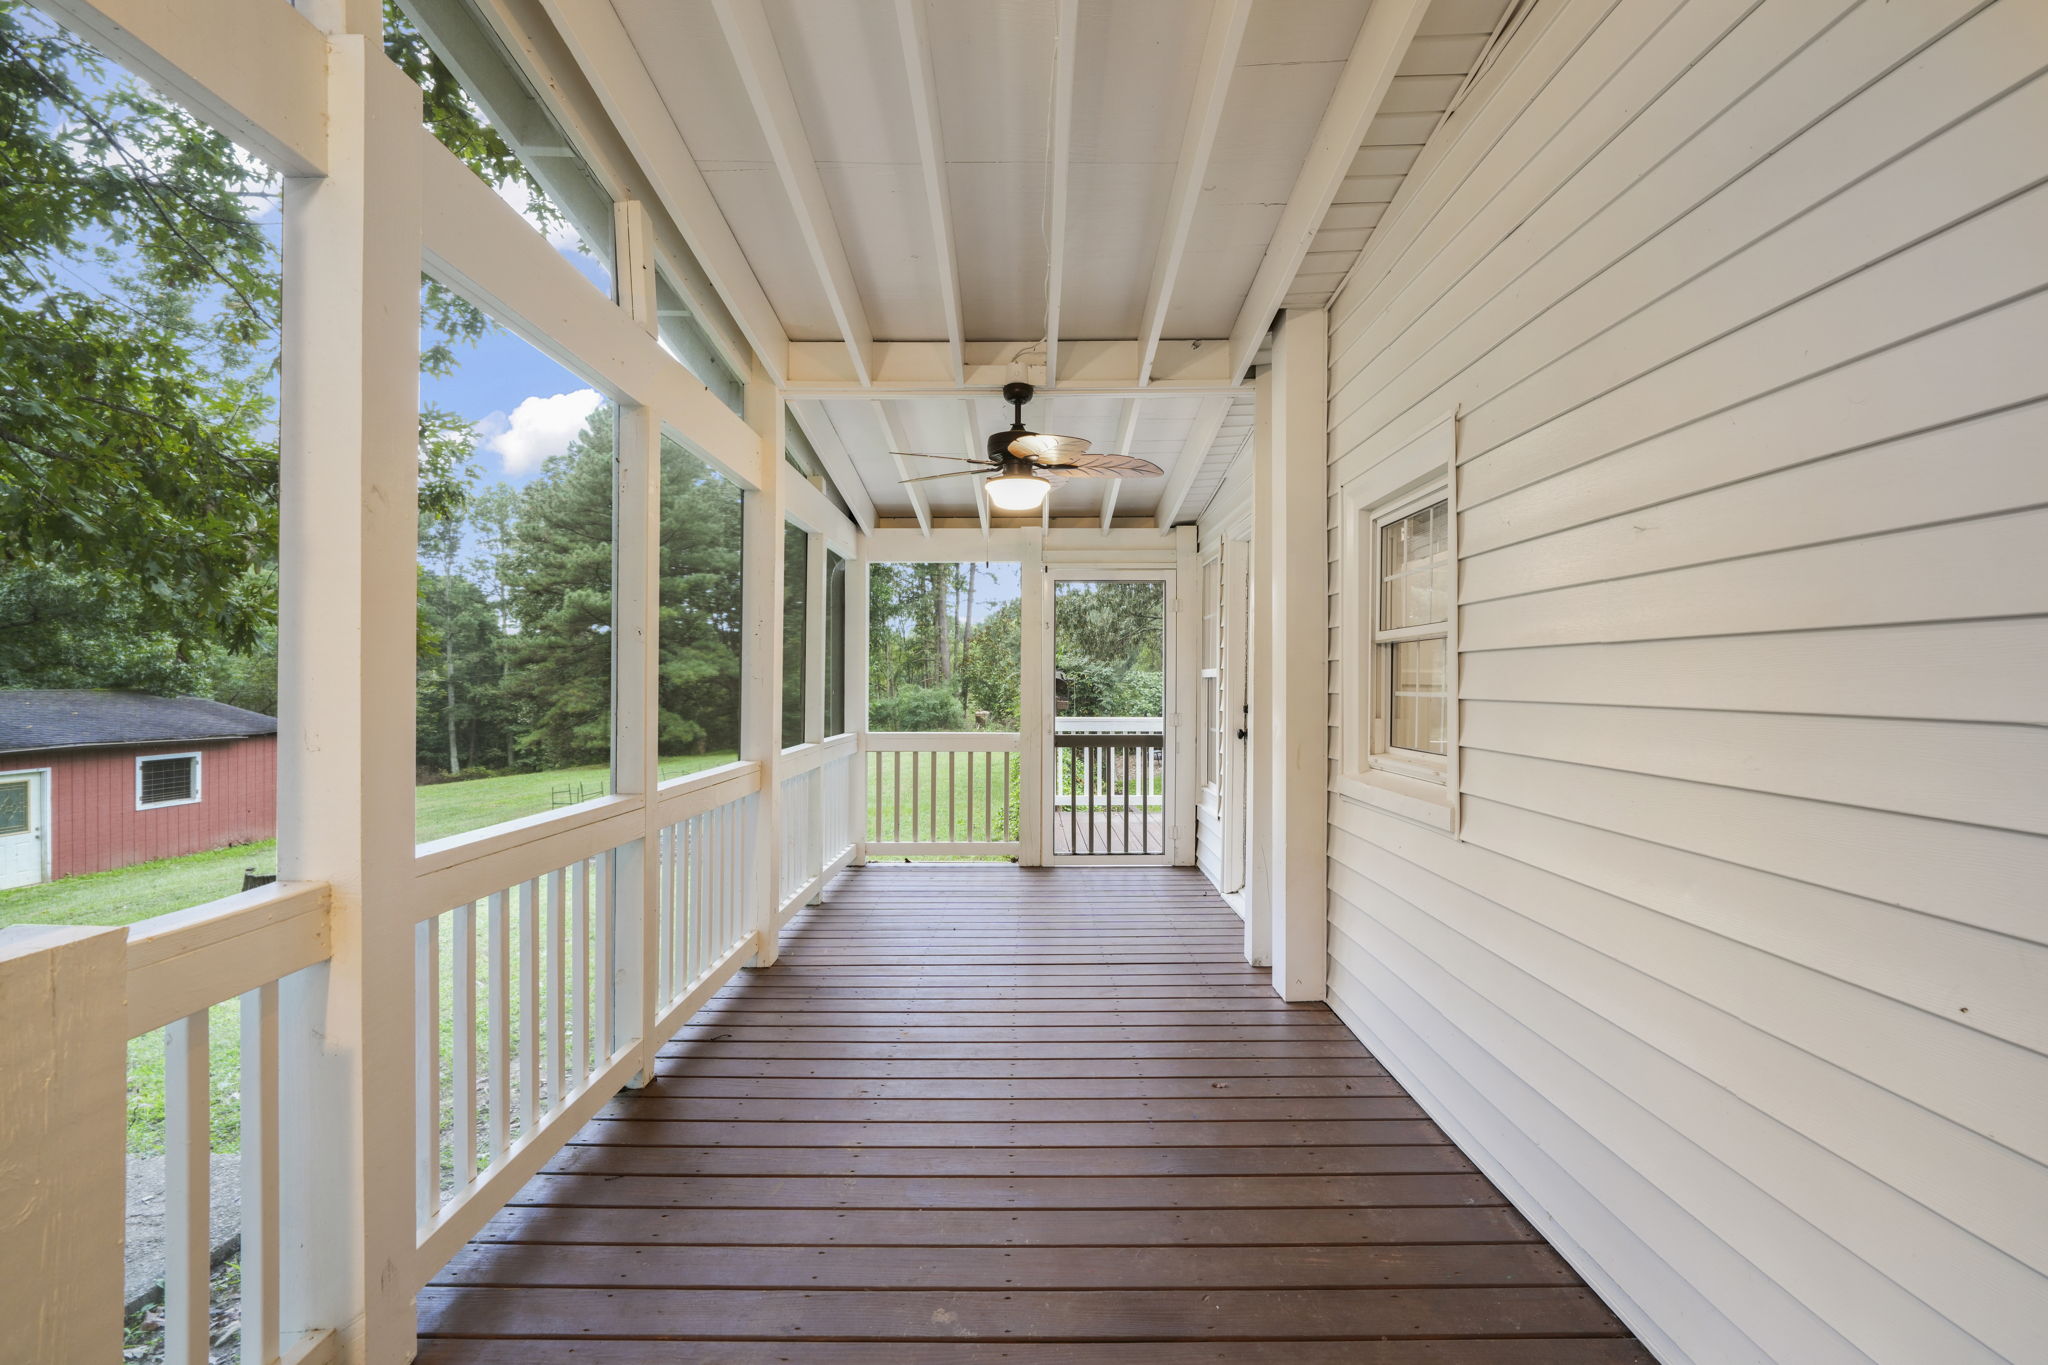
[981,1114]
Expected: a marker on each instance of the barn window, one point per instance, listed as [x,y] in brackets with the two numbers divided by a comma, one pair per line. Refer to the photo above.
[167,780]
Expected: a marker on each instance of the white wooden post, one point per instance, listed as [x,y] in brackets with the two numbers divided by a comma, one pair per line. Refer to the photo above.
[349,445]
[636,661]
[1295,482]
[814,701]
[761,655]
[856,699]
[64,1129]
[1034,699]
[1259,849]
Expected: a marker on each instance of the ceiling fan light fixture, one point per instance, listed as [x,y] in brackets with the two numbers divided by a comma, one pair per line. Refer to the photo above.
[1018,492]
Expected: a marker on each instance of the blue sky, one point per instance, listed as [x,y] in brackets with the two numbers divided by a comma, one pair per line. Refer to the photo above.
[526,406]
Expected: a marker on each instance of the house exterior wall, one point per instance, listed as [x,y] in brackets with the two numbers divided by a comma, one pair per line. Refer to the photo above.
[1732,974]
[94,825]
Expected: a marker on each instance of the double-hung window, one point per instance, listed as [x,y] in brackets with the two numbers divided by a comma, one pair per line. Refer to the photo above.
[1398,635]
[1410,634]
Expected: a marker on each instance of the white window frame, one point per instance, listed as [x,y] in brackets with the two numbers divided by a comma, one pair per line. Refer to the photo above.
[1413,785]
[198,771]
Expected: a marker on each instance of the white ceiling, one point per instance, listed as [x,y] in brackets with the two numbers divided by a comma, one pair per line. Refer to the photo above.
[887,171]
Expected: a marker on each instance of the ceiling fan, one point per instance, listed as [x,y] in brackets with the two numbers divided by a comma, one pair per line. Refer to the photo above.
[1020,459]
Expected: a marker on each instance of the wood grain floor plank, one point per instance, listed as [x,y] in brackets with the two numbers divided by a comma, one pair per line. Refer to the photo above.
[992,1114]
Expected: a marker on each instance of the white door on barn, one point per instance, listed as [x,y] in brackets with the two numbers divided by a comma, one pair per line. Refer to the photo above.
[24,829]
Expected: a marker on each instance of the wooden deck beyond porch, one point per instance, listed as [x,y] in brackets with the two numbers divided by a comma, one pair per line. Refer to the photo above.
[981,1114]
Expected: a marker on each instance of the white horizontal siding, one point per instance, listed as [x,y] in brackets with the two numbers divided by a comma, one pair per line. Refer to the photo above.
[1736,975]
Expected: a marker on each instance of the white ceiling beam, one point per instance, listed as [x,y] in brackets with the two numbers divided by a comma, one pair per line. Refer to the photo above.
[908,368]
[745,25]
[973,442]
[817,424]
[1369,73]
[1127,436]
[1205,115]
[1194,453]
[610,60]
[931,152]
[1059,157]
[893,434]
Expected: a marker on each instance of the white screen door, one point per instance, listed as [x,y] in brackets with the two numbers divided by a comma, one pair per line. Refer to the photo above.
[1107,785]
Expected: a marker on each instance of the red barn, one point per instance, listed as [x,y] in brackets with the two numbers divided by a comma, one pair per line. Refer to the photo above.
[98,780]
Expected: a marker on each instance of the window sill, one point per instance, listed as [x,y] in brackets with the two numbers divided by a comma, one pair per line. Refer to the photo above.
[1429,804]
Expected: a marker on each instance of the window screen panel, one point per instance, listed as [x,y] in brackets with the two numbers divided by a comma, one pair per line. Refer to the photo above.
[168,779]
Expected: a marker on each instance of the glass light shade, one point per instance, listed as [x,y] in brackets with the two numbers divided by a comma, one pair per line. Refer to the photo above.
[1018,492]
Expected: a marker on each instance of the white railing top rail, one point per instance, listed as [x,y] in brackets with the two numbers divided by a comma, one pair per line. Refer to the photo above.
[181,963]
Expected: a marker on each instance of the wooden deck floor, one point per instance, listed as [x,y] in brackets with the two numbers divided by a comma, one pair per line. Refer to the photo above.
[982,1114]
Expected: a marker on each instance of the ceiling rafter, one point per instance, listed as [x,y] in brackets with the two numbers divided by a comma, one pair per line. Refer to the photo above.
[1060,158]
[1127,436]
[1376,56]
[1194,453]
[611,62]
[973,444]
[931,151]
[1227,20]
[816,421]
[747,34]
[893,434]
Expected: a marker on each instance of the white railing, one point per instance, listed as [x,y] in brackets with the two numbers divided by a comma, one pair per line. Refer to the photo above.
[1109,792]
[817,816]
[66,1138]
[943,794]
[512,1022]
[546,965]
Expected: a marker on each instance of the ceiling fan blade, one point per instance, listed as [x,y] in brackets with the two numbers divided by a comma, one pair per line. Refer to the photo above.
[957,459]
[1048,449]
[956,474]
[1103,465]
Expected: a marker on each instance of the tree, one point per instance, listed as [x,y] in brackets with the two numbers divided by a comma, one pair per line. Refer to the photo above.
[558,575]
[139,330]
[700,606]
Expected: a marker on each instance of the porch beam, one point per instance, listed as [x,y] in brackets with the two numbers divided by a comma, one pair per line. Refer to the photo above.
[252,68]
[923,369]
[931,150]
[745,25]
[893,434]
[1227,20]
[817,424]
[1059,158]
[1193,455]
[1291,507]
[605,53]
[1376,56]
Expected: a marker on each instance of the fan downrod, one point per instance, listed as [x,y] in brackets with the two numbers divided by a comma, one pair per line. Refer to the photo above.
[1016,393]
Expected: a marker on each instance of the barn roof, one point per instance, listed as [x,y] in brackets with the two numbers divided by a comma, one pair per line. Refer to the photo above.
[32,719]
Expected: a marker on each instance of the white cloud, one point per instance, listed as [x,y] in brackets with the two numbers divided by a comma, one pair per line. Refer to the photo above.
[537,428]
